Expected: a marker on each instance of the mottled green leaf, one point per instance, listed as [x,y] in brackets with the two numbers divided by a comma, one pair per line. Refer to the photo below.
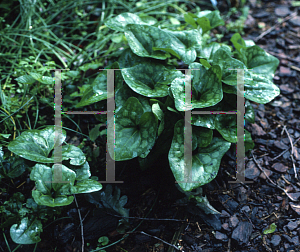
[86,186]
[260,89]
[249,112]
[249,144]
[207,121]
[135,131]
[206,88]
[119,22]
[229,66]
[260,61]
[150,79]
[209,20]
[73,153]
[27,232]
[124,93]
[205,163]
[209,50]
[148,41]
[36,145]
[226,125]
[95,92]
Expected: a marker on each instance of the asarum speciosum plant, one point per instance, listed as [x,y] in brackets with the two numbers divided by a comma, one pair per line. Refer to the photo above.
[150,92]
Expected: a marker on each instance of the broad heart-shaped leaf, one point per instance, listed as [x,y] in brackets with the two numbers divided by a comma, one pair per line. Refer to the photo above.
[226,125]
[260,89]
[98,90]
[129,59]
[205,163]
[82,172]
[43,174]
[119,22]
[260,61]
[135,131]
[149,79]
[148,41]
[36,145]
[207,121]
[207,51]
[95,92]
[206,88]
[86,186]
[192,39]
[27,232]
[249,112]
[209,20]
[229,65]
[48,200]
[124,93]
[203,136]
[52,194]
[73,153]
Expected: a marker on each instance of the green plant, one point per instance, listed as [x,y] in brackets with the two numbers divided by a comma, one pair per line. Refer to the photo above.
[150,106]
[53,187]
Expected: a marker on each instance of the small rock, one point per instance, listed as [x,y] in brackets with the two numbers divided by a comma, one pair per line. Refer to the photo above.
[275,240]
[251,171]
[280,145]
[292,225]
[295,21]
[250,21]
[229,204]
[285,71]
[221,236]
[285,89]
[282,11]
[225,226]
[261,14]
[233,221]
[224,214]
[242,232]
[267,171]
[246,209]
[257,130]
[289,239]
[280,167]
[295,240]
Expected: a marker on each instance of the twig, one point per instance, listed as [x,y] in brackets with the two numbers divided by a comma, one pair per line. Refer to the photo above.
[248,218]
[292,152]
[150,219]
[81,224]
[155,237]
[229,245]
[285,150]
[276,25]
[295,68]
[258,165]
[283,57]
